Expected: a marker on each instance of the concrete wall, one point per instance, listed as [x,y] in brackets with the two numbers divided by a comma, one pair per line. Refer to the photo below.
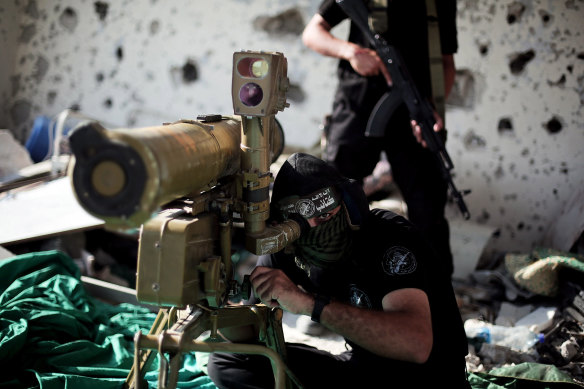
[9,29]
[135,63]
[516,131]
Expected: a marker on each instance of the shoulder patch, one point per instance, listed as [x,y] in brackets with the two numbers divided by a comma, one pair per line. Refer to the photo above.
[359,298]
[398,260]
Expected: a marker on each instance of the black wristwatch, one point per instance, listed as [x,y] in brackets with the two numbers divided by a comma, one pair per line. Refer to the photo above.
[320,302]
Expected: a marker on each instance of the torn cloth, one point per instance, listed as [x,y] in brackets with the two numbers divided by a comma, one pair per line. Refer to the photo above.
[538,272]
[54,335]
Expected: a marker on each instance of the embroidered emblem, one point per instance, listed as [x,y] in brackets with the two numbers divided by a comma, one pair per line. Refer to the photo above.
[359,298]
[399,261]
[306,208]
[314,204]
[302,265]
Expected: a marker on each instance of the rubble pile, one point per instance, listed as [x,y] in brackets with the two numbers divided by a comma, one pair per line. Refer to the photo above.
[507,323]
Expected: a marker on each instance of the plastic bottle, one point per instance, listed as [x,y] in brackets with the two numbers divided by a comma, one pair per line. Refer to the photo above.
[519,338]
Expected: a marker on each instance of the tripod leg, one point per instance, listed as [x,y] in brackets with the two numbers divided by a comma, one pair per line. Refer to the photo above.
[275,341]
[143,358]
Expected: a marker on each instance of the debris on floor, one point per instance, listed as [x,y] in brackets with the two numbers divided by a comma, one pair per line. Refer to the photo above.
[529,308]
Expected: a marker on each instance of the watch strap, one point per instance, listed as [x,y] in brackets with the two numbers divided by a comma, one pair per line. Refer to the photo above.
[320,302]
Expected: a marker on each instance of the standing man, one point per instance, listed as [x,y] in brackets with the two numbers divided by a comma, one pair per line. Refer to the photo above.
[364,274]
[363,79]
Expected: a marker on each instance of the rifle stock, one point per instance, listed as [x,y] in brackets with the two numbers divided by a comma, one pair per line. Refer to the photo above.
[403,91]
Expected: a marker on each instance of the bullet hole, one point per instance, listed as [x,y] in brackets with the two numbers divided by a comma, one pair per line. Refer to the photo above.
[505,126]
[554,125]
[484,49]
[295,93]
[108,103]
[520,226]
[570,68]
[483,217]
[499,173]
[564,170]
[120,53]
[555,192]
[32,10]
[472,141]
[520,60]
[51,97]
[101,9]
[154,27]
[546,18]
[580,56]
[525,152]
[285,23]
[514,12]
[510,197]
[41,67]
[68,19]
[27,33]
[99,77]
[560,82]
[189,72]
[20,111]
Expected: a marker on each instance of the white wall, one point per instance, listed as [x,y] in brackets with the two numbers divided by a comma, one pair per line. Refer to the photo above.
[523,178]
[124,65]
[9,28]
[127,69]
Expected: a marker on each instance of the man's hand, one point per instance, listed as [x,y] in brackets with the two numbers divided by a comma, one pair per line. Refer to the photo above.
[417,130]
[274,288]
[366,62]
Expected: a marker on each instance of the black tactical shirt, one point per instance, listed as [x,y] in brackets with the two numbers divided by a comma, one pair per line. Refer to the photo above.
[388,254]
[407,31]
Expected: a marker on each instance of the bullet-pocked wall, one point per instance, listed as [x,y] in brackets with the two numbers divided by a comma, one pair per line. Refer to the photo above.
[516,119]
[144,62]
[516,130]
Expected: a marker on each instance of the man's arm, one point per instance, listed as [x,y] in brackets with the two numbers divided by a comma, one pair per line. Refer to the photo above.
[449,73]
[403,330]
[317,36]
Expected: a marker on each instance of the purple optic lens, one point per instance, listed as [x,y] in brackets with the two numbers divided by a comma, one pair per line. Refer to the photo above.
[251,94]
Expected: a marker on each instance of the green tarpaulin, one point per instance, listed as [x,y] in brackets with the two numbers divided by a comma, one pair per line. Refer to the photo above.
[526,375]
[54,335]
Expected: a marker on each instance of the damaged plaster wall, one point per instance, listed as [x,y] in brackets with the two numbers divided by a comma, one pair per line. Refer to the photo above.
[516,131]
[9,28]
[516,128]
[139,63]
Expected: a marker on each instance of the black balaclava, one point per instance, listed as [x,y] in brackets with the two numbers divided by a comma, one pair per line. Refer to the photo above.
[301,176]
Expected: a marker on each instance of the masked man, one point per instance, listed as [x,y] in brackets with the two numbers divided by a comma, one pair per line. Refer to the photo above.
[364,274]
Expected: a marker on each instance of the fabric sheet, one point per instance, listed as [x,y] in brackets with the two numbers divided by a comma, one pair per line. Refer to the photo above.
[54,335]
[526,375]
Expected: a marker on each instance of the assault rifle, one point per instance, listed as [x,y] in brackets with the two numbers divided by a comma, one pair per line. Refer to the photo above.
[190,186]
[403,91]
